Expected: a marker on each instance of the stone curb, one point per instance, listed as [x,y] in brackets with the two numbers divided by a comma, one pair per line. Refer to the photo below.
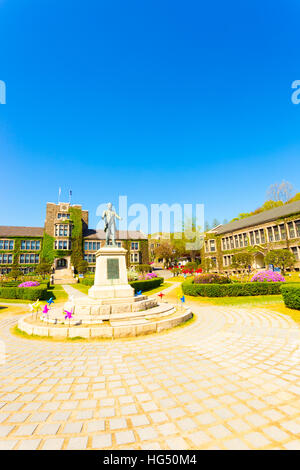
[104,332]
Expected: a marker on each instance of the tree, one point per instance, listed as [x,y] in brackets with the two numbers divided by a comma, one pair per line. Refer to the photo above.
[207,226]
[44,268]
[215,223]
[280,258]
[281,191]
[165,250]
[15,273]
[82,266]
[207,264]
[295,198]
[241,260]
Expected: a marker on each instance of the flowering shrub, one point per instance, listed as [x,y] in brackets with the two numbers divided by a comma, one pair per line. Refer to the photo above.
[147,276]
[151,275]
[267,276]
[29,284]
[211,278]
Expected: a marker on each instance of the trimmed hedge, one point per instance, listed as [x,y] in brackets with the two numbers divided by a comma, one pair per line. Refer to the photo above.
[231,290]
[137,285]
[147,285]
[24,293]
[16,283]
[291,296]
[89,281]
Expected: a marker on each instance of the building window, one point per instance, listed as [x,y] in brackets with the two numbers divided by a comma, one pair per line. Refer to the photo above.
[90,258]
[62,245]
[236,241]
[63,215]
[134,257]
[276,233]
[30,245]
[227,260]
[118,244]
[63,230]
[212,245]
[270,234]
[282,232]
[29,258]
[92,246]
[241,241]
[297,224]
[5,270]
[134,245]
[262,236]
[245,240]
[6,258]
[6,244]
[291,230]
[295,252]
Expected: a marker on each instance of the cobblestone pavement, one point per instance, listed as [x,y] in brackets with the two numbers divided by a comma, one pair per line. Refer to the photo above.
[230,380]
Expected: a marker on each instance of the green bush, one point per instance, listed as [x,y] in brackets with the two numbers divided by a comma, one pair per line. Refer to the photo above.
[143,268]
[211,278]
[147,285]
[137,285]
[87,281]
[231,290]
[24,293]
[291,296]
[43,283]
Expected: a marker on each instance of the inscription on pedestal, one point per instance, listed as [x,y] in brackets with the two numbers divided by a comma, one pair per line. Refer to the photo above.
[113,268]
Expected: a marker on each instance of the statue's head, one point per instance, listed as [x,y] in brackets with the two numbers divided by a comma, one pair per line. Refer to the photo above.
[109,205]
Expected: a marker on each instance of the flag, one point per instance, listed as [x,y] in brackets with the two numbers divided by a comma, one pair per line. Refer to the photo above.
[70,192]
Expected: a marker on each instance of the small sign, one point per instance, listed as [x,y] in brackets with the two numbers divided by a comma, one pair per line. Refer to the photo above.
[277,270]
[113,268]
[81,276]
[271,267]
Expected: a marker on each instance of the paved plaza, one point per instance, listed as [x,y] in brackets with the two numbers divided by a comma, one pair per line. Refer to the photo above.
[229,380]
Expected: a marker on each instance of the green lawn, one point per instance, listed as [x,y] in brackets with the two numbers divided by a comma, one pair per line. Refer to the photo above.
[58,292]
[158,289]
[81,287]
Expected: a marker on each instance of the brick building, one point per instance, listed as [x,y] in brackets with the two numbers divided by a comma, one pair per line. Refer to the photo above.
[65,229]
[276,228]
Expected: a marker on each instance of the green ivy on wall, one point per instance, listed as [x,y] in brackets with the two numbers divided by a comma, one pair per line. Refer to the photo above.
[77,242]
[48,252]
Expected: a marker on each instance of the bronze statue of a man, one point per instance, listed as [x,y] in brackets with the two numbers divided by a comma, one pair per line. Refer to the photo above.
[109,216]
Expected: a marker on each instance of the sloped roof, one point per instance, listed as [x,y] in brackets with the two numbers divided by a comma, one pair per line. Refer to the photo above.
[91,234]
[261,218]
[9,231]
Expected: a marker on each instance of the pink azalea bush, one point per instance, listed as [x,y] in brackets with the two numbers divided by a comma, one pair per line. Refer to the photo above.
[267,276]
[29,284]
[147,276]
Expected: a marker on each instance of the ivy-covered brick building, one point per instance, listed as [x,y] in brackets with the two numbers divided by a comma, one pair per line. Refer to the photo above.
[276,228]
[64,241]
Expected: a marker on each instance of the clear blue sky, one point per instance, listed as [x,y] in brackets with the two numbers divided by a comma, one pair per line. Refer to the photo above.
[162,101]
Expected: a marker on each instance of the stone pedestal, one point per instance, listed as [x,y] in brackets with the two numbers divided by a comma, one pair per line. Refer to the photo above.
[111,275]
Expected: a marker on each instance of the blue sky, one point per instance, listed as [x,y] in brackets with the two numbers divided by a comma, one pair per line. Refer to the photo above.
[162,101]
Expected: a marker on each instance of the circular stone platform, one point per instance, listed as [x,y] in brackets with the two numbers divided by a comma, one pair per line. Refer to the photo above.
[162,317]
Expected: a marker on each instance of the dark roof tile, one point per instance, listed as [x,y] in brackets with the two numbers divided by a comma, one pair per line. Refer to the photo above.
[7,231]
[261,218]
